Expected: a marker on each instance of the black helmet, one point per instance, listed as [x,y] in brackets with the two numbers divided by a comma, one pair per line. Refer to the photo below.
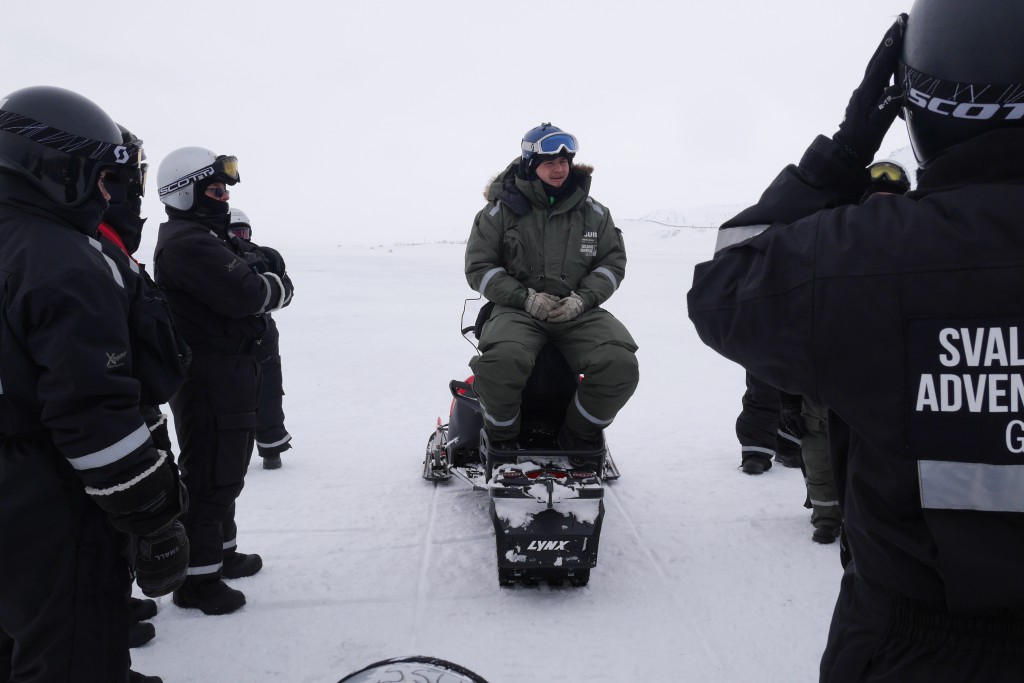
[544,142]
[963,71]
[136,169]
[59,141]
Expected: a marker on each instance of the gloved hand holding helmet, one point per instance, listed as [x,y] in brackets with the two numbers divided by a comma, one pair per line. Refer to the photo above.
[875,103]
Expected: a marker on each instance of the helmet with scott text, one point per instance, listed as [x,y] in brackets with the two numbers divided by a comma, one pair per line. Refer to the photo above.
[962,69]
[60,141]
[542,143]
[185,173]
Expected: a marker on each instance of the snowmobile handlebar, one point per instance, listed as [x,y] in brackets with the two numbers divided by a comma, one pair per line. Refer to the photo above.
[463,393]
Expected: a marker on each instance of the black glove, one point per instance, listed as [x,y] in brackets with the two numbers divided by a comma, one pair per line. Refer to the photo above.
[874,104]
[161,560]
[273,259]
[255,262]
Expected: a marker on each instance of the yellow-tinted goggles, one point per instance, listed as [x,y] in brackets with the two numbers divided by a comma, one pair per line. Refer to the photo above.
[888,171]
[227,166]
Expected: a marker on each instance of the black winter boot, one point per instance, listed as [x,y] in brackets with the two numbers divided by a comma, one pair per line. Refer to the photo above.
[140,610]
[239,565]
[140,633]
[136,677]
[211,596]
[755,463]
[825,533]
[272,461]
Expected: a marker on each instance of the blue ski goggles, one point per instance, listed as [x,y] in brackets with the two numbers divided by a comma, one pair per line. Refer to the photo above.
[552,143]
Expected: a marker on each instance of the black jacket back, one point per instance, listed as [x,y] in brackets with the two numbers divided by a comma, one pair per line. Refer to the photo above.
[904,316]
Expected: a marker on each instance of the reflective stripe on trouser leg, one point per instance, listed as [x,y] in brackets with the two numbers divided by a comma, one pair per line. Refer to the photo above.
[610,379]
[500,376]
[818,468]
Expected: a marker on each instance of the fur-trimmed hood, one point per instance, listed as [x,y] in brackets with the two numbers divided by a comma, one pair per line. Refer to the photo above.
[582,170]
[522,195]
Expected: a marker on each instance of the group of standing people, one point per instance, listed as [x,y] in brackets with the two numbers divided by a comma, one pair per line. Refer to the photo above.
[91,347]
[901,317]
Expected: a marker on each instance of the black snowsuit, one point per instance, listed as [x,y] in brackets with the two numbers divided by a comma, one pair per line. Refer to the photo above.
[903,315]
[71,438]
[218,305]
[271,436]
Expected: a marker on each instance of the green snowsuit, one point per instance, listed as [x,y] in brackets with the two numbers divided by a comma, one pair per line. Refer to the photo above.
[520,241]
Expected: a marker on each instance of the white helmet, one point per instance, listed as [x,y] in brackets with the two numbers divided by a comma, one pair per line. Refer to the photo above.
[238,217]
[239,225]
[184,169]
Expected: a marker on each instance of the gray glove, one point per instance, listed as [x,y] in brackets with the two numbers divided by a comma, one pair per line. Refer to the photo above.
[568,308]
[540,304]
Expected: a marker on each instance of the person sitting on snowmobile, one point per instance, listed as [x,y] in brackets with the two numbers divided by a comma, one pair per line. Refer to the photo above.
[547,256]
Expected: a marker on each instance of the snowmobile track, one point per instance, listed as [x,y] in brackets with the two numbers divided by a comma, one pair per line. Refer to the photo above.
[423,581]
[667,585]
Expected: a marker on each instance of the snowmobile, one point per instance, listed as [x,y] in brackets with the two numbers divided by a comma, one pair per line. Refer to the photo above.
[546,503]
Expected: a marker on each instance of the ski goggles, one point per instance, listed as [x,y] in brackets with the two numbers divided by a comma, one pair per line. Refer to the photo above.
[552,143]
[226,168]
[242,232]
[884,170]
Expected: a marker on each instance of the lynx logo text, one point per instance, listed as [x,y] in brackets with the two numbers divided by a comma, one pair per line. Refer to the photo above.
[547,545]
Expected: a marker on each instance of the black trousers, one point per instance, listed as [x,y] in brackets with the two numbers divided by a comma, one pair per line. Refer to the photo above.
[758,424]
[215,420]
[271,435]
[64,580]
[880,638]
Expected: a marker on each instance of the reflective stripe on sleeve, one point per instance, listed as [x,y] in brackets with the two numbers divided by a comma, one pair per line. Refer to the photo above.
[112,453]
[497,207]
[110,262]
[124,486]
[728,237]
[608,274]
[487,278]
[270,290]
[971,486]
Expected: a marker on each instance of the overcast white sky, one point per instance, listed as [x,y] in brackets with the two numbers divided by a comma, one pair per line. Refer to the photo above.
[366,122]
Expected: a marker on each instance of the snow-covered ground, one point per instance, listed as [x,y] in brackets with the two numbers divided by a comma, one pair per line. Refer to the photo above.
[704,574]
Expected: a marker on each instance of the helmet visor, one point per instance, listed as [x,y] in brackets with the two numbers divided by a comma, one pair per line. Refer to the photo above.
[552,143]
